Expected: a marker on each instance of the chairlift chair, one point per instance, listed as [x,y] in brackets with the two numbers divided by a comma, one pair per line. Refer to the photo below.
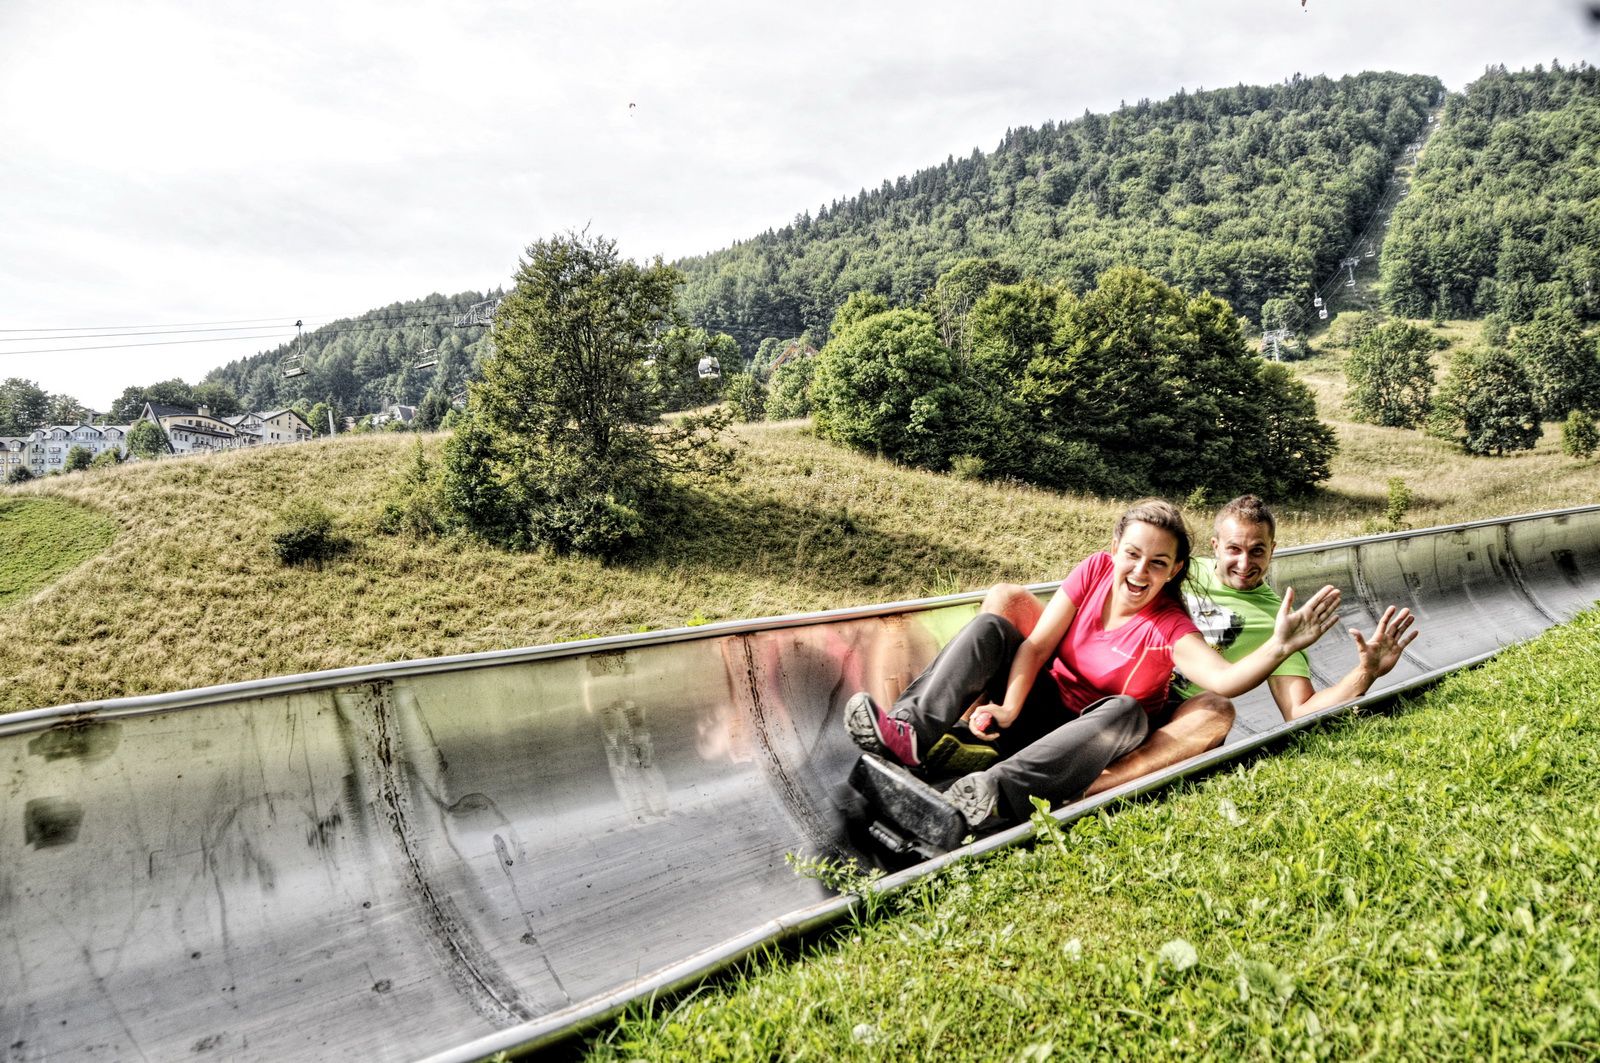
[292,365]
[710,369]
[1323,313]
[429,357]
[1317,301]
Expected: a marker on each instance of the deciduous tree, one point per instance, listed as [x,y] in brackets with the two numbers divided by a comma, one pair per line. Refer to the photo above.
[565,446]
[1391,378]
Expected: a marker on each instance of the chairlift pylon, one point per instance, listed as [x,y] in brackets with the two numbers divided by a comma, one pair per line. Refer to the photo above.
[481,313]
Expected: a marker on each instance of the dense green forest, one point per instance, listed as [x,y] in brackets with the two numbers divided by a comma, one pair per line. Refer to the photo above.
[1502,218]
[1248,192]
[363,364]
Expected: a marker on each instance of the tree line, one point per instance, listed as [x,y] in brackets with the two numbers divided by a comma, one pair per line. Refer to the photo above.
[1249,192]
[1502,217]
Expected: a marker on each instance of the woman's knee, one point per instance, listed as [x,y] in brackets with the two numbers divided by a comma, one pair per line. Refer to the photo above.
[1014,602]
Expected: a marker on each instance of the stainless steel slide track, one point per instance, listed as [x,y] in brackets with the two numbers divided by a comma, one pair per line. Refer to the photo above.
[440,858]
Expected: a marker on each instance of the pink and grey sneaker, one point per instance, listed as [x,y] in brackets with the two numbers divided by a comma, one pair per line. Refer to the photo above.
[877,732]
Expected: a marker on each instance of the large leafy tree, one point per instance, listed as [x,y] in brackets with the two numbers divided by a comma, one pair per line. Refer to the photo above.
[1144,389]
[1391,378]
[1560,362]
[885,383]
[23,407]
[565,447]
[1487,404]
[130,404]
[217,397]
[1294,450]
[64,409]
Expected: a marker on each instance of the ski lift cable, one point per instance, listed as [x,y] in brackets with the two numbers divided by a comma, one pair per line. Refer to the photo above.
[244,324]
[320,332]
[1393,193]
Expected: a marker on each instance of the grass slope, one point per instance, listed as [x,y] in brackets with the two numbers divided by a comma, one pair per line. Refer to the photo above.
[190,594]
[1417,886]
[46,538]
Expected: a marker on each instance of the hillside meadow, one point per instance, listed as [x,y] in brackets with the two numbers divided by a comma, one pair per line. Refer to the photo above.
[182,588]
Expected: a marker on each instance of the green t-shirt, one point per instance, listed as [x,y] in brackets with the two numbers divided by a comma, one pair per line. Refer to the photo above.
[1234,622]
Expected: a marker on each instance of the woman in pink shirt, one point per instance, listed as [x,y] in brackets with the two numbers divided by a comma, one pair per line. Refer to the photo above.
[1077,692]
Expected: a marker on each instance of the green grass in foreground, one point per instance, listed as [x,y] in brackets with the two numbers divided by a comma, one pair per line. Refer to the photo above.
[44,539]
[1415,886]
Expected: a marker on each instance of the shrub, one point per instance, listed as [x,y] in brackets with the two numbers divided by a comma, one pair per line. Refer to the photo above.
[19,475]
[789,390]
[305,533]
[78,459]
[414,507]
[1349,327]
[106,459]
[1578,435]
[966,467]
[147,440]
[746,397]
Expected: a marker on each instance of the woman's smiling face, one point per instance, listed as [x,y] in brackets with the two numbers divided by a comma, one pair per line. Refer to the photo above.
[1144,560]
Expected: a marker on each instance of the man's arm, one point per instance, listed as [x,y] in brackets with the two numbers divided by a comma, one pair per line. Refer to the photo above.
[1374,660]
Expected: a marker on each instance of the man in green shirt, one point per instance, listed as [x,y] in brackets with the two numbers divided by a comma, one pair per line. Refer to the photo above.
[1231,602]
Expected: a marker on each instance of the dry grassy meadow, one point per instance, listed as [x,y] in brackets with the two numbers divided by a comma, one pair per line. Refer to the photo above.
[185,591]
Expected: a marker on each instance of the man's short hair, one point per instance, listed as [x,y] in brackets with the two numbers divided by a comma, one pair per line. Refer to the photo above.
[1248,509]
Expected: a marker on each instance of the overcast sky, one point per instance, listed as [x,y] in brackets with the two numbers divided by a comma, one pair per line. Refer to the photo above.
[187,163]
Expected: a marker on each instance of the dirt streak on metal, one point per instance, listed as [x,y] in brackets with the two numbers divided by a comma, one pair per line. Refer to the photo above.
[490,992]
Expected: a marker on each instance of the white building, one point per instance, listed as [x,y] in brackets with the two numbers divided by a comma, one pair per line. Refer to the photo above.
[45,450]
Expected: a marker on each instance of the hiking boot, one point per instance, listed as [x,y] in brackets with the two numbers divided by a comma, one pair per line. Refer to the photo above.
[877,732]
[975,797]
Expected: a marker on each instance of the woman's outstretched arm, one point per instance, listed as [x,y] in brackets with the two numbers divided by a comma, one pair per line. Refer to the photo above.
[1294,630]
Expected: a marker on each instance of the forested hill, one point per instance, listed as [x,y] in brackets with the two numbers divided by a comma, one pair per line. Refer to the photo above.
[1504,215]
[363,364]
[1250,192]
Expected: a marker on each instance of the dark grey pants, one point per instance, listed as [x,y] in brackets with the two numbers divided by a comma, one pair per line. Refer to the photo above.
[1047,751]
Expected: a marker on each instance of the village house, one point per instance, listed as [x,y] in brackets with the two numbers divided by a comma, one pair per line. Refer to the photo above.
[198,432]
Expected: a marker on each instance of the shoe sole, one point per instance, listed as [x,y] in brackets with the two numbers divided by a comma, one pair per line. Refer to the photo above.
[975,801]
[863,728]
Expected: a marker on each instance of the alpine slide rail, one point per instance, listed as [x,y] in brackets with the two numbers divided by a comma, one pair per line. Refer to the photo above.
[440,859]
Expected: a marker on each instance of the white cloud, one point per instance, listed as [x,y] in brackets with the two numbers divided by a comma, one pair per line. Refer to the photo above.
[173,160]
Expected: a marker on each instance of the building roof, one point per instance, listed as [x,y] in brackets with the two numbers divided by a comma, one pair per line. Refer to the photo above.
[161,409]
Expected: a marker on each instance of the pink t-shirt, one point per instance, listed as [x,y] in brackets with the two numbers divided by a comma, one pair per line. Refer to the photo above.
[1134,659]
